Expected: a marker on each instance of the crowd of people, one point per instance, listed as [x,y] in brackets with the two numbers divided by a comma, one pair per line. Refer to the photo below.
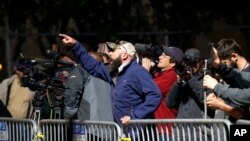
[110,85]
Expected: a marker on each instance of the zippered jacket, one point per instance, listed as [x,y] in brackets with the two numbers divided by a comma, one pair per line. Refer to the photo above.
[134,93]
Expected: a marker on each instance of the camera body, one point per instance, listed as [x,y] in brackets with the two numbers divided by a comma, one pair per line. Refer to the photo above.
[149,51]
[40,74]
[45,76]
[186,66]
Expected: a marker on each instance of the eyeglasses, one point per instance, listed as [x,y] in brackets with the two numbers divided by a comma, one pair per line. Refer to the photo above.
[121,43]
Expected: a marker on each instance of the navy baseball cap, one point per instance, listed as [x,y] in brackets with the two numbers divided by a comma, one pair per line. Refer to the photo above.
[174,52]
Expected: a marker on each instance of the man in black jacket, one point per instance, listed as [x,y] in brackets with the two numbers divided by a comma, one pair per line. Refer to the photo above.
[188,93]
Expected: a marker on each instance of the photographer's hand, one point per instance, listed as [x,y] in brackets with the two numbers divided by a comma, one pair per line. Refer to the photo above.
[186,76]
[209,82]
[214,102]
[146,63]
[179,79]
[67,40]
[216,59]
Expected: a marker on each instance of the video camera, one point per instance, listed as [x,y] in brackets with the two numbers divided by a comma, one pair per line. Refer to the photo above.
[186,65]
[150,51]
[45,75]
[41,73]
[192,57]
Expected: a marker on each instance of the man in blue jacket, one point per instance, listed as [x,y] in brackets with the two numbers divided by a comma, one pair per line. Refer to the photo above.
[134,93]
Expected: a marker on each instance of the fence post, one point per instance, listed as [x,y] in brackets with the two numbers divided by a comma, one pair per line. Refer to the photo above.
[8,55]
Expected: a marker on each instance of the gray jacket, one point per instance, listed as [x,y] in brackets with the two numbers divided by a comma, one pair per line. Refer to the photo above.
[86,97]
[96,101]
[239,95]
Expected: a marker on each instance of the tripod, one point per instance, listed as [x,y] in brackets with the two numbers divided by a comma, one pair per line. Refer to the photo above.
[59,103]
[205,91]
[38,104]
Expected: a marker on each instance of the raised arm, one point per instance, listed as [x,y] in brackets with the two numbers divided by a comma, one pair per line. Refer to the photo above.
[93,66]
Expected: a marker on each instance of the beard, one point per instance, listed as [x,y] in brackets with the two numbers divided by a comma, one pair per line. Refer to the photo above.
[233,64]
[114,65]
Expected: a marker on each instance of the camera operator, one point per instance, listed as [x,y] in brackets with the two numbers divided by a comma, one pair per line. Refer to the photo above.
[73,82]
[227,55]
[188,89]
[45,77]
[237,94]
[168,60]
[188,93]
[17,99]
[230,54]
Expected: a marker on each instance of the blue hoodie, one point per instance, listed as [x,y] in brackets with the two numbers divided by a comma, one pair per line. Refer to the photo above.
[134,94]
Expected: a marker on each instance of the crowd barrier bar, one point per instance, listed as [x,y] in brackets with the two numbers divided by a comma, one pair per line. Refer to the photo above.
[76,130]
[12,129]
[180,130]
[137,130]
[243,122]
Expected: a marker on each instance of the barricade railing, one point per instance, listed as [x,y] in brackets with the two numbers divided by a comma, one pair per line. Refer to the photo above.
[12,129]
[177,130]
[137,130]
[243,122]
[76,130]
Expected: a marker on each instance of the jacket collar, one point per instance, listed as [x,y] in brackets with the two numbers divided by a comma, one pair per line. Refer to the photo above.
[124,67]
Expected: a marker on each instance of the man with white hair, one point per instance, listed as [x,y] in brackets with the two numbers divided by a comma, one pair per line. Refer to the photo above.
[134,93]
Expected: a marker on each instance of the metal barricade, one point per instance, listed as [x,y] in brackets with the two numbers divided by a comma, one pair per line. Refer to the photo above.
[65,130]
[177,130]
[17,129]
[243,122]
